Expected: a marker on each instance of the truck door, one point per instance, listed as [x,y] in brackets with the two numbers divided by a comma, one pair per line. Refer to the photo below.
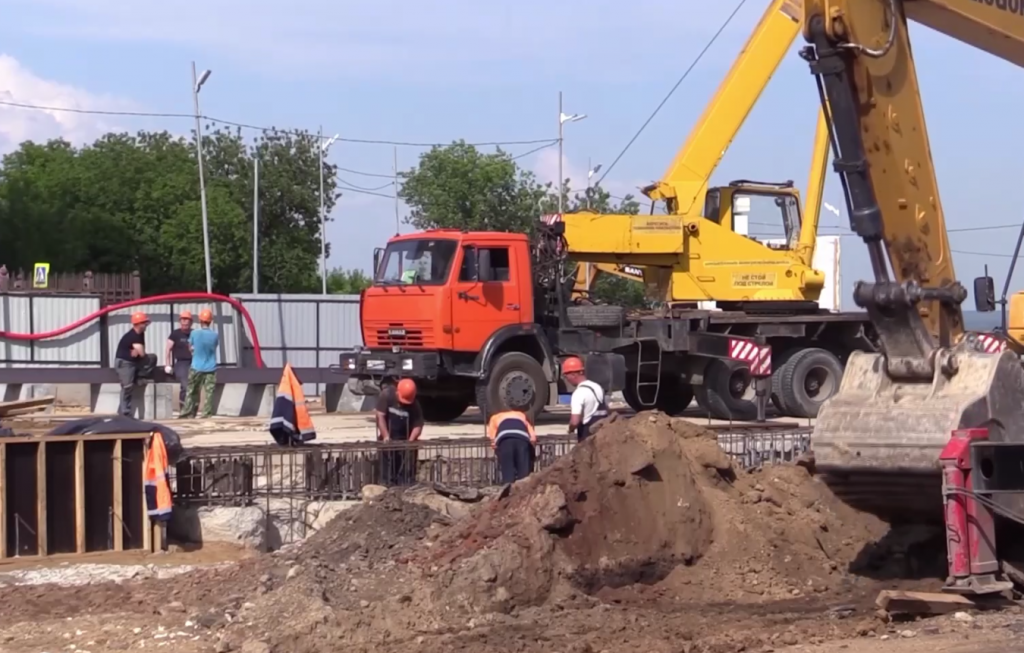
[481,307]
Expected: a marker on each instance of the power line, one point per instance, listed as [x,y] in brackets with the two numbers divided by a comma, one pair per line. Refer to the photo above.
[685,74]
[369,190]
[364,174]
[547,144]
[242,125]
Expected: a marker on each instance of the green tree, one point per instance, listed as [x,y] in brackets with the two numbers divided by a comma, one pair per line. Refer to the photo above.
[131,202]
[347,282]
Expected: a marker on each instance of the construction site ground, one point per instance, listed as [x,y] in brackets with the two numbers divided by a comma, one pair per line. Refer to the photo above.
[645,538]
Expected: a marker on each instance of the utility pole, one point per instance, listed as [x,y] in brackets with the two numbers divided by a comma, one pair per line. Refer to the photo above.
[255,223]
[395,170]
[323,230]
[197,83]
[562,119]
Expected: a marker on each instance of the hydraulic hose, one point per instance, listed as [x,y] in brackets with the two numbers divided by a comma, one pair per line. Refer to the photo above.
[155,299]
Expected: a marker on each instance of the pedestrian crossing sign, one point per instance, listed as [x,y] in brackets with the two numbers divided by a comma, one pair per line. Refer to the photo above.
[41,278]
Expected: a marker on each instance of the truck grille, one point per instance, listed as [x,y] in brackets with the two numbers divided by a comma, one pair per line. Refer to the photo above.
[407,335]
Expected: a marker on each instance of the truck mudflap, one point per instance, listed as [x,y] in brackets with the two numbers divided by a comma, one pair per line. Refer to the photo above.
[877,442]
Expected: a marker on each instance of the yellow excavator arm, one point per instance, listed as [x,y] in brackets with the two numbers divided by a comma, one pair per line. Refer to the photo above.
[694,253]
[877,441]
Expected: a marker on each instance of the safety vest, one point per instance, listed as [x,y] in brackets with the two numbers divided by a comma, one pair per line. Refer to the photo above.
[510,424]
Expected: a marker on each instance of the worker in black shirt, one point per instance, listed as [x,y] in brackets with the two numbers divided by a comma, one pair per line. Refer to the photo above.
[399,419]
[178,354]
[131,362]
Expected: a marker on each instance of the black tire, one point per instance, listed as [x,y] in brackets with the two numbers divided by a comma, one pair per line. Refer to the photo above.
[630,395]
[674,396]
[809,378]
[730,392]
[516,382]
[700,393]
[778,364]
[443,409]
[595,316]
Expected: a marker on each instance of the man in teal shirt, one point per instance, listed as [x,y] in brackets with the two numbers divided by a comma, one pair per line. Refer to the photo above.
[202,375]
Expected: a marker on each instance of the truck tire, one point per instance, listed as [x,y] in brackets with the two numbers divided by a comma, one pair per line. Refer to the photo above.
[809,378]
[729,391]
[674,396]
[778,364]
[516,382]
[443,409]
[632,398]
[595,316]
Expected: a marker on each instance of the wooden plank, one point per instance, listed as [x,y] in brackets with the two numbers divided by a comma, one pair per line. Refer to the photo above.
[41,499]
[118,509]
[8,408]
[3,500]
[80,497]
[92,437]
[935,603]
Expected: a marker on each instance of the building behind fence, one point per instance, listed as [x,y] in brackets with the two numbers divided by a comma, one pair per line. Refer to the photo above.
[304,330]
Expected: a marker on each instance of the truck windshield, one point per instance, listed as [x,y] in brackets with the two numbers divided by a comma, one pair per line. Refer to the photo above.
[422,261]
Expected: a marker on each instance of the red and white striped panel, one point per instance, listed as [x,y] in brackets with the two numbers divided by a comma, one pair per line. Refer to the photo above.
[990,344]
[551,218]
[758,357]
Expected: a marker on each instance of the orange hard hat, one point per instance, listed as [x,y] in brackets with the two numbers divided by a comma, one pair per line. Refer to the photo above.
[572,364]
[406,391]
[139,318]
[185,315]
[206,315]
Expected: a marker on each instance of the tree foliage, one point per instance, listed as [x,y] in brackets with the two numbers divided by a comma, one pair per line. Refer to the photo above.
[132,202]
[347,282]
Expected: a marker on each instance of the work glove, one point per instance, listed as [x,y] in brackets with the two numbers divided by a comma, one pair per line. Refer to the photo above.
[168,369]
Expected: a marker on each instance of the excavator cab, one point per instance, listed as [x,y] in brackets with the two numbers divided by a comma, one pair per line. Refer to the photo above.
[773,208]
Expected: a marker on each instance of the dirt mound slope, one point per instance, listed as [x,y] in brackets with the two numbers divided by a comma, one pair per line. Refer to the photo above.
[651,502]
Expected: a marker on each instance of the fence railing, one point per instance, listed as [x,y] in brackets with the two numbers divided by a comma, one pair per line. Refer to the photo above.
[111,288]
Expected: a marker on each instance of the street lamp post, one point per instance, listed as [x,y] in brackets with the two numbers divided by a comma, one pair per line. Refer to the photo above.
[324,146]
[562,119]
[591,171]
[197,84]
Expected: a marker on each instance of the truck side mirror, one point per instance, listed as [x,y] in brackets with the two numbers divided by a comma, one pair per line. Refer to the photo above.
[377,252]
[984,294]
[483,262]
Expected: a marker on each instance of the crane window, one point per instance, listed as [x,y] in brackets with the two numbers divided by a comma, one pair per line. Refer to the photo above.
[767,217]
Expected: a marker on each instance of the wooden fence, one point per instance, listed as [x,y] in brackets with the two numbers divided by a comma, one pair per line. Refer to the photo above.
[112,288]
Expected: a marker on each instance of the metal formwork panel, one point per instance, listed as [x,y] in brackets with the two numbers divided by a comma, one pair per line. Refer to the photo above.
[78,347]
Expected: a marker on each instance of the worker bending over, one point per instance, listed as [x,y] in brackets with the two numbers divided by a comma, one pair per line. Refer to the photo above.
[202,375]
[587,403]
[513,439]
[178,354]
[399,419]
[131,362]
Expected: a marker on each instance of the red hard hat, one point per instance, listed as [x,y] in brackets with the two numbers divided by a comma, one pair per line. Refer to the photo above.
[139,318]
[572,364]
[406,391]
[185,315]
[206,315]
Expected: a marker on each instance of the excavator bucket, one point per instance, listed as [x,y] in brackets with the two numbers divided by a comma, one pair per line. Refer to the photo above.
[877,442]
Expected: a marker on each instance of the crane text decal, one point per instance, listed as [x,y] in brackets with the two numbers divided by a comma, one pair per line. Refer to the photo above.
[1011,6]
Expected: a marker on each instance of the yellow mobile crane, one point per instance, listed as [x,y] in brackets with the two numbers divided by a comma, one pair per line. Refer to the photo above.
[878,441]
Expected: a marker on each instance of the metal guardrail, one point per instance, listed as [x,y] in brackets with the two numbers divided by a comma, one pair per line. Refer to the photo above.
[243,475]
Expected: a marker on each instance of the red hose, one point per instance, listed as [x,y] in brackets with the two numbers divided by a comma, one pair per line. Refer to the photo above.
[176,296]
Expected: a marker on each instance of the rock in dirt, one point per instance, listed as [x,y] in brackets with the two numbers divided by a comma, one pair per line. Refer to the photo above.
[371,492]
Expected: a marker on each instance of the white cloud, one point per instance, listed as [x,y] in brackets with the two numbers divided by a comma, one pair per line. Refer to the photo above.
[545,166]
[399,38]
[20,85]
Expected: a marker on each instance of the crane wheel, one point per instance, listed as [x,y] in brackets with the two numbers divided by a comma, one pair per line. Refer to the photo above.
[809,378]
[516,382]
[443,409]
[779,362]
[673,398]
[729,391]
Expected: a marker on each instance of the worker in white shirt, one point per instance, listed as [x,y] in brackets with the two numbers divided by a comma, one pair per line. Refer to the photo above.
[587,403]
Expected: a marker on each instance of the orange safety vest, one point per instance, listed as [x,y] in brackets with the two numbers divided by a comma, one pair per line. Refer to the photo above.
[290,423]
[158,489]
[510,423]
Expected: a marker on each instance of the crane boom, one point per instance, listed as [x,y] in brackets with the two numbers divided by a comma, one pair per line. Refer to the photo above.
[878,439]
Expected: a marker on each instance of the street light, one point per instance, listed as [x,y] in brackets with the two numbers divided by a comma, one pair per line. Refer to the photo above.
[197,85]
[593,170]
[562,119]
[324,146]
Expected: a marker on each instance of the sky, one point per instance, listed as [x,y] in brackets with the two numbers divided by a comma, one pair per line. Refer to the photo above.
[433,72]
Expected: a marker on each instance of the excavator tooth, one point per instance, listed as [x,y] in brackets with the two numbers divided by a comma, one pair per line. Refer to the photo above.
[877,442]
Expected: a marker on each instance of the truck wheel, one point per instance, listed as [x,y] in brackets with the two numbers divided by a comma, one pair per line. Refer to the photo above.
[809,378]
[730,393]
[674,396]
[778,364]
[595,316]
[516,382]
[443,409]
[632,395]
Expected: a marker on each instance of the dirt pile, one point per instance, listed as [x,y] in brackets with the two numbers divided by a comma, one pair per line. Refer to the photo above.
[651,501]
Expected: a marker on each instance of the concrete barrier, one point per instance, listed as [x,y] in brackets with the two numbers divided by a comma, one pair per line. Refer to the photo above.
[338,398]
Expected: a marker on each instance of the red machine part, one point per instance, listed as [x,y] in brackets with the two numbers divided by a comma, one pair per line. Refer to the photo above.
[155,299]
[970,522]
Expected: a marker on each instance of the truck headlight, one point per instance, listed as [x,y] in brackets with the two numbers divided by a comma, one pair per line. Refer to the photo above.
[350,364]
[407,364]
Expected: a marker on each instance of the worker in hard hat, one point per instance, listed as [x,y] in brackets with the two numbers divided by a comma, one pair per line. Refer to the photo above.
[513,439]
[202,374]
[178,354]
[131,362]
[399,419]
[588,401]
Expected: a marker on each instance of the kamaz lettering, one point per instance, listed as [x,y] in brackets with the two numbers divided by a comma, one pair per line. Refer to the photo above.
[1009,6]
